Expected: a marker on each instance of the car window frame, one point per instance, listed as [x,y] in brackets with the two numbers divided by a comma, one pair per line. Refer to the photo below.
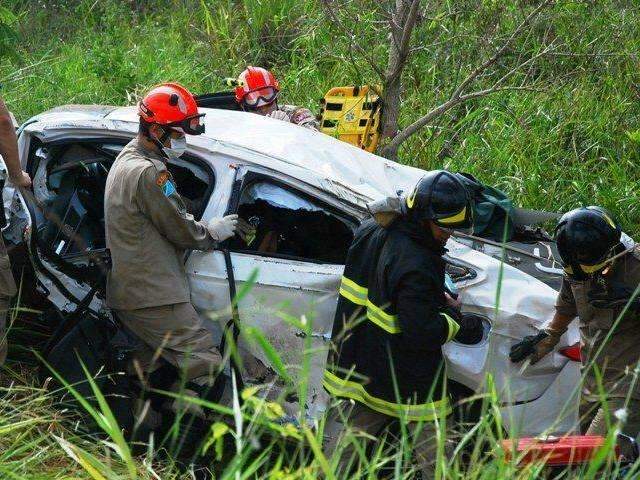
[248,177]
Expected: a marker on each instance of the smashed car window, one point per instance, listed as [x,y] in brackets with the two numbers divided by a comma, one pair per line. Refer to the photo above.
[291,224]
[73,183]
[69,184]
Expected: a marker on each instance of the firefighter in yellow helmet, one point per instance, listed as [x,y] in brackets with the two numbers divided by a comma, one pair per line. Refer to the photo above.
[602,295]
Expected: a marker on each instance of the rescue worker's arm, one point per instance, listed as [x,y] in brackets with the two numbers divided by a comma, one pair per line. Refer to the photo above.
[538,346]
[298,115]
[166,210]
[305,118]
[9,148]
[422,320]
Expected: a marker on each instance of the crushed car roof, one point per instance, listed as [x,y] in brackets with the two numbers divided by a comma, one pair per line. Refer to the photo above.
[343,164]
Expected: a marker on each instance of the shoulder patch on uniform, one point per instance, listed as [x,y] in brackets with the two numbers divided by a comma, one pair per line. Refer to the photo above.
[162,178]
[169,188]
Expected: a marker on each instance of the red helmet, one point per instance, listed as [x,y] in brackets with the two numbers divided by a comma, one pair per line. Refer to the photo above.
[171,105]
[257,87]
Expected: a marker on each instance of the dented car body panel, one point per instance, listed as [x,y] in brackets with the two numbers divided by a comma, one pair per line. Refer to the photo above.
[330,183]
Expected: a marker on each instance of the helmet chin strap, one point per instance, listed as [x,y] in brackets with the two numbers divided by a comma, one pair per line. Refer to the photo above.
[160,142]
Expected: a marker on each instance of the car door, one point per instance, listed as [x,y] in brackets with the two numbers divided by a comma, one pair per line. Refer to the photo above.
[297,256]
[515,304]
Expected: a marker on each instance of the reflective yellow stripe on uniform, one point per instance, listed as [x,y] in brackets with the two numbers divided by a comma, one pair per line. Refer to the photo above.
[388,322]
[353,292]
[383,319]
[359,295]
[454,327]
[425,411]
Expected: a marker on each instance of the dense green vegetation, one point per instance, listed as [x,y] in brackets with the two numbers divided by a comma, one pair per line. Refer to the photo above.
[574,140]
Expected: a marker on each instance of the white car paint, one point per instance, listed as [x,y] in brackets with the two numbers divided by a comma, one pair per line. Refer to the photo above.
[347,178]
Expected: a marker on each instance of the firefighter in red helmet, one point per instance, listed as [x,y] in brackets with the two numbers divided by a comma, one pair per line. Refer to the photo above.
[148,231]
[257,92]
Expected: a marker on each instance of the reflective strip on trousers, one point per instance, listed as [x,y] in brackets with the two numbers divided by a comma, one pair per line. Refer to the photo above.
[345,388]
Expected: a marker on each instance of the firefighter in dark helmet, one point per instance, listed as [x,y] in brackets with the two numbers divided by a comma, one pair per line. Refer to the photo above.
[393,316]
[599,287]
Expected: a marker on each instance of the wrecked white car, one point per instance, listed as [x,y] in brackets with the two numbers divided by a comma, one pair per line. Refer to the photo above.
[305,192]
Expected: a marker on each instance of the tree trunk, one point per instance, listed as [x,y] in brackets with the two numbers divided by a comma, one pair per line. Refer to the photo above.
[403,19]
[391,99]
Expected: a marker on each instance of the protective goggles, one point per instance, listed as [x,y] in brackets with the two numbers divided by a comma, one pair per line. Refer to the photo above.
[192,125]
[258,98]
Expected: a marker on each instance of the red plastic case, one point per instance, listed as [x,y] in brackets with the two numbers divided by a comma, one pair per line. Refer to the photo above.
[554,451]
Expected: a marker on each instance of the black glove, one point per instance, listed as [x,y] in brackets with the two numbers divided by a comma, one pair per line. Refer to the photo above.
[526,346]
[613,295]
[471,329]
[535,346]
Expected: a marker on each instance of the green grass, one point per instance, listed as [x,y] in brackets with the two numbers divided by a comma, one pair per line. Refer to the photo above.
[246,440]
[574,143]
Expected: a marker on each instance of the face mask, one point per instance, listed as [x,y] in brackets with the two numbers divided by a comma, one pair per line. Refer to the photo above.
[178,147]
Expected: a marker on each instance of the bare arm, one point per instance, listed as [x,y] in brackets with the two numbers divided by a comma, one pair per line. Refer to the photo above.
[9,149]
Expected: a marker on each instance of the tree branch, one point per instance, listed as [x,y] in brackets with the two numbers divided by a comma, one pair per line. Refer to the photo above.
[409,24]
[458,96]
[500,52]
[352,41]
[544,52]
[401,25]
[448,105]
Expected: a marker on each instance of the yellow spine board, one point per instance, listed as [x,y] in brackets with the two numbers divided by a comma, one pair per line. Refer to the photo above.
[352,114]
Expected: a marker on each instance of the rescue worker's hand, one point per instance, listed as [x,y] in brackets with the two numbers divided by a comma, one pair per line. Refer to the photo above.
[616,295]
[223,228]
[453,302]
[22,179]
[471,329]
[535,346]
[280,115]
